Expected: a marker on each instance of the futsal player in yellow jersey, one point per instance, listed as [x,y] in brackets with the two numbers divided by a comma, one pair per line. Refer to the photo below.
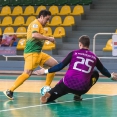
[33,54]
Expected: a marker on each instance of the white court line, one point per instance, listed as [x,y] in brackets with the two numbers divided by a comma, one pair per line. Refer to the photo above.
[52,103]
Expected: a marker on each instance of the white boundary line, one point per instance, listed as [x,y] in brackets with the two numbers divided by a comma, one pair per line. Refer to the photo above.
[52,103]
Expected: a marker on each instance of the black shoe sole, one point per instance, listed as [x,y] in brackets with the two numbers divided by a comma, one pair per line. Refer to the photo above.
[7,95]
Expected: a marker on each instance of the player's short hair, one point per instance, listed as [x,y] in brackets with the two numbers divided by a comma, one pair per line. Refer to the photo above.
[85,40]
[44,13]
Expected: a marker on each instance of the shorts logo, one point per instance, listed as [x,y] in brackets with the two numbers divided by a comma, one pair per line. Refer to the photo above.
[35,26]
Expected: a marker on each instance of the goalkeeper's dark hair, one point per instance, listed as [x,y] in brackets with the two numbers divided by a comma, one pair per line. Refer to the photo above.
[44,13]
[85,40]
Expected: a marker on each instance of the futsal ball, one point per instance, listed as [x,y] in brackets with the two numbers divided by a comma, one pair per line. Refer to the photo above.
[45,89]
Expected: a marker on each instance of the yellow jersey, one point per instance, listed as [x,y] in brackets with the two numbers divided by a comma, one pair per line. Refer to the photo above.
[33,44]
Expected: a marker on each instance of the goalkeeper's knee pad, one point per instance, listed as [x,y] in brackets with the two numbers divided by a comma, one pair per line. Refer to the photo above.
[94,77]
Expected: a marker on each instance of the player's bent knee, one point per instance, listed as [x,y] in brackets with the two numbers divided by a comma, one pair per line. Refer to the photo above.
[29,72]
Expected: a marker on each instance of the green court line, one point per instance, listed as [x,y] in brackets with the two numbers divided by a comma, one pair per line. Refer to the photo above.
[3,77]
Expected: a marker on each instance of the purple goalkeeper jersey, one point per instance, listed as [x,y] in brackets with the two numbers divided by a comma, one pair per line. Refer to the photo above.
[81,65]
[80,70]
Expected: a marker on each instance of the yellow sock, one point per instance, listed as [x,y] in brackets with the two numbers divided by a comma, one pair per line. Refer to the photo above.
[49,78]
[20,79]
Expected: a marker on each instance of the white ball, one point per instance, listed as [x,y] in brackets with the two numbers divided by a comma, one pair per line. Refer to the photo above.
[45,89]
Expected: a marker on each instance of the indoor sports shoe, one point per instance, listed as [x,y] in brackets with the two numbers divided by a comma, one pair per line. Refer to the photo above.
[9,94]
[44,98]
[77,98]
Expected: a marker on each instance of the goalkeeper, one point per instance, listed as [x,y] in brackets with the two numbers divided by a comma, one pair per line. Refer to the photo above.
[80,76]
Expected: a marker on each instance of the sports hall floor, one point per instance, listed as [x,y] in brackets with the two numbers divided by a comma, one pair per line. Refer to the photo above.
[100,101]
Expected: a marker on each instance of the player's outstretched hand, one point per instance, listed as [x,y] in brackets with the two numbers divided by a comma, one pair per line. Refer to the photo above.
[113,76]
[39,72]
[51,39]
